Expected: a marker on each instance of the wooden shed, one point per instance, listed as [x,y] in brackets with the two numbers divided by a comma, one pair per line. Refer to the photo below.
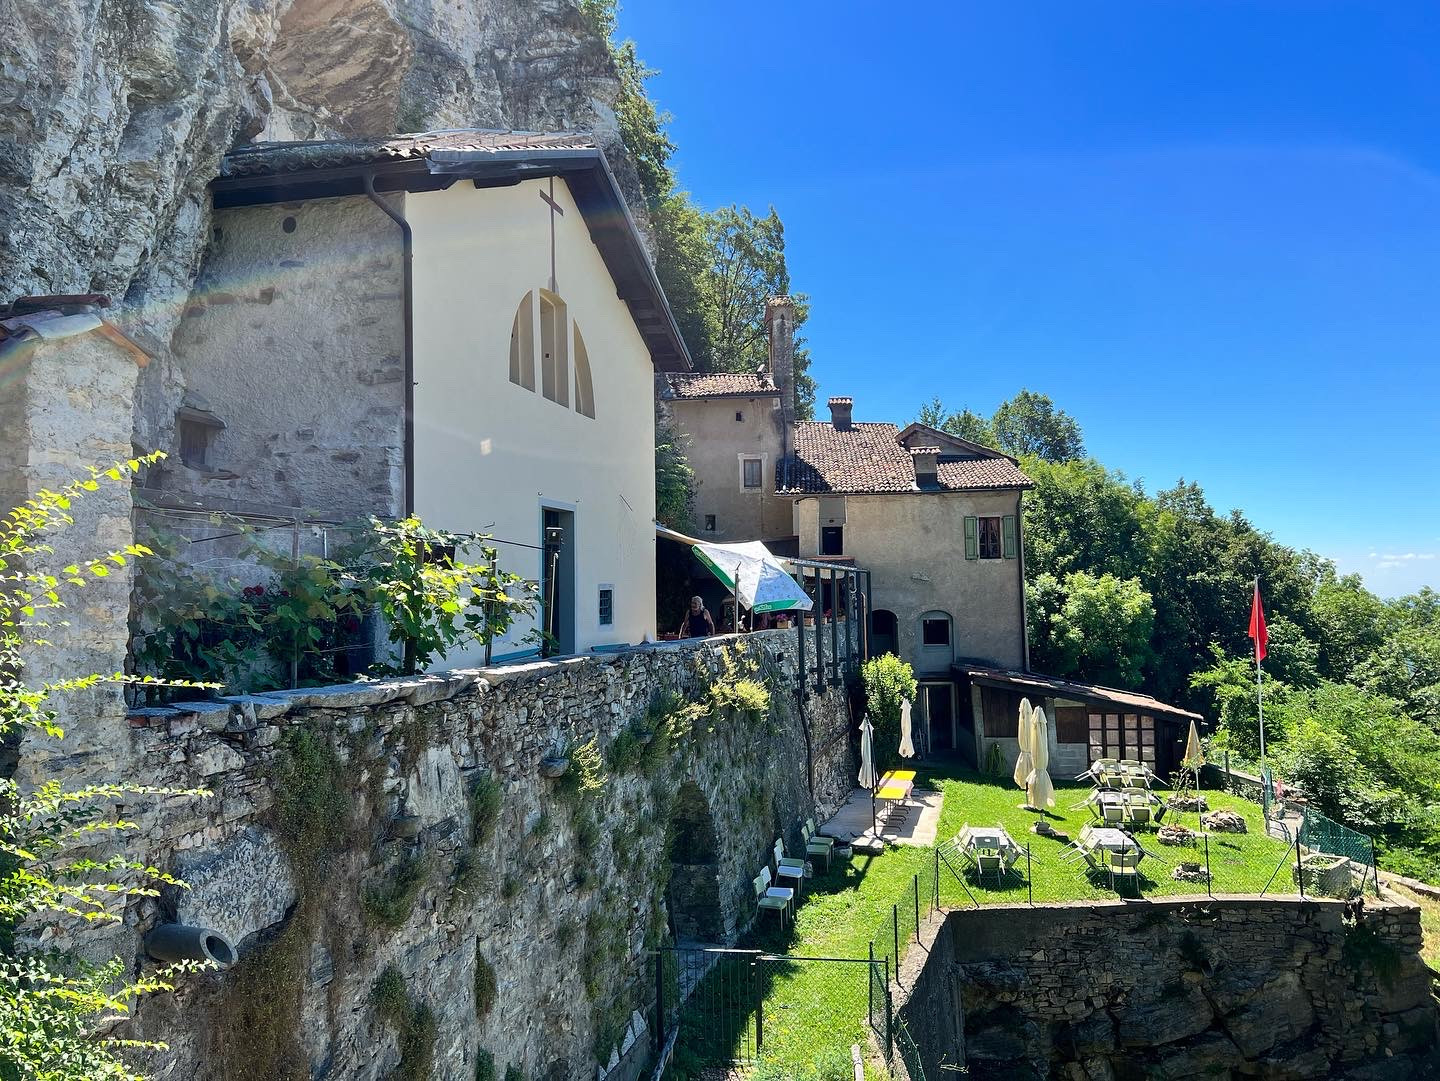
[1088,721]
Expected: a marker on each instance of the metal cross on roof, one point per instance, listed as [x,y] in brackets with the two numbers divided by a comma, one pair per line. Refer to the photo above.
[555,208]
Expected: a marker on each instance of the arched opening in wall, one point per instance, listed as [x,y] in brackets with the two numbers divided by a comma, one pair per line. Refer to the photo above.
[554,348]
[522,344]
[584,386]
[885,633]
[694,895]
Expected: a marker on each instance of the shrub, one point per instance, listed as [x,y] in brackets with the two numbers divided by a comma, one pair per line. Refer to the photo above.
[390,903]
[485,985]
[485,799]
[888,682]
[414,1024]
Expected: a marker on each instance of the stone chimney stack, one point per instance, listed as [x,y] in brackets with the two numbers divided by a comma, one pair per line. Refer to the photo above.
[927,466]
[780,328]
[840,410]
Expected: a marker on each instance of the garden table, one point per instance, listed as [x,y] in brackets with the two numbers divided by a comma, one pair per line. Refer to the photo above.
[895,788]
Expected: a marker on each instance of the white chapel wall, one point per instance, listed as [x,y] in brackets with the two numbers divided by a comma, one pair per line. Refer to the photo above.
[490,454]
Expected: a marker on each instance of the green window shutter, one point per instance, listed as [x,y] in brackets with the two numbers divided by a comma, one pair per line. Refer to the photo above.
[972,538]
[1007,531]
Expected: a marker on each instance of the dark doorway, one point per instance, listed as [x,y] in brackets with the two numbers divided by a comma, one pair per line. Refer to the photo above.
[939,716]
[884,634]
[694,892]
[557,585]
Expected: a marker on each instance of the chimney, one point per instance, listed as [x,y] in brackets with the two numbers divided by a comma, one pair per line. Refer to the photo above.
[780,329]
[840,409]
[927,466]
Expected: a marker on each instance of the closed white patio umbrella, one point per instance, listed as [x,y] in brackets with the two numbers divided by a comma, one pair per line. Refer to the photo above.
[1194,753]
[868,777]
[1023,763]
[907,745]
[1039,792]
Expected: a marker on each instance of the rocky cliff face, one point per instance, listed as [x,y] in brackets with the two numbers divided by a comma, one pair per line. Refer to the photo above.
[114,113]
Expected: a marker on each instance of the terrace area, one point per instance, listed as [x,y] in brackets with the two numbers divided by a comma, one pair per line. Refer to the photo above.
[815,1001]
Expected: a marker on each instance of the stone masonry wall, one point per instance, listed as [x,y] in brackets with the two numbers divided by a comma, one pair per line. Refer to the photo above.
[1256,987]
[365,857]
[293,338]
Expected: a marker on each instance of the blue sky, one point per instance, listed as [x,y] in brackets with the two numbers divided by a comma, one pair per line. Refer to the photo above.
[1209,230]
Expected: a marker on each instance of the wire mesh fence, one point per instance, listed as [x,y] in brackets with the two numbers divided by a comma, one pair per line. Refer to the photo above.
[738,1007]
[909,1052]
[1332,852]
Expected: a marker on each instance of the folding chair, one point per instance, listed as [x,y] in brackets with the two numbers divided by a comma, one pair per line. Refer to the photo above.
[818,838]
[1112,813]
[1125,866]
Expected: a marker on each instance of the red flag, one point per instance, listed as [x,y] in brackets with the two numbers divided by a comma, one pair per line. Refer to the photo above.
[1257,625]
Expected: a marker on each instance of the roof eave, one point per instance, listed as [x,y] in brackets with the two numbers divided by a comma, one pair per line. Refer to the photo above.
[586,171]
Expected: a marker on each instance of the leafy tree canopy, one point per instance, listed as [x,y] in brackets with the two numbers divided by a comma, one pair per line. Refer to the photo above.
[1027,425]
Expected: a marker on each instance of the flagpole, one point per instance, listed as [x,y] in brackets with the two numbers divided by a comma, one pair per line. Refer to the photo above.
[1259,693]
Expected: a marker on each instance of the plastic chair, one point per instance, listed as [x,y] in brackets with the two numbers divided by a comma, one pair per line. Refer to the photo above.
[785,893]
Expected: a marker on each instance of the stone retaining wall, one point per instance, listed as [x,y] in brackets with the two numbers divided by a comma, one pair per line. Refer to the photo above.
[365,858]
[1255,987]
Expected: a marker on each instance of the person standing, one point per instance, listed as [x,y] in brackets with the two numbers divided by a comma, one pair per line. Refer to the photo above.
[697,622]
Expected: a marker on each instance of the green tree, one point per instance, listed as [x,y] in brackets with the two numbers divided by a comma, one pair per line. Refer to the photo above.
[1029,424]
[888,682]
[1093,628]
[674,481]
[965,424]
[748,267]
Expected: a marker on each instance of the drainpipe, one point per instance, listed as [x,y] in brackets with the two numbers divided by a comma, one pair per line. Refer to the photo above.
[1020,559]
[408,304]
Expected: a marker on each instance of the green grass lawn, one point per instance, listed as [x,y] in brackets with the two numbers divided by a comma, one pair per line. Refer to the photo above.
[814,1008]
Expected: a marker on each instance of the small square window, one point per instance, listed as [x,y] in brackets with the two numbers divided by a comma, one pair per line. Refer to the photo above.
[753,472]
[607,606]
[709,523]
[935,632]
[739,416]
[832,540]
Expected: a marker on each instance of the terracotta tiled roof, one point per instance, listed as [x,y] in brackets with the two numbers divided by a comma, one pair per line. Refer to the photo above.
[722,385]
[868,457]
[259,159]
